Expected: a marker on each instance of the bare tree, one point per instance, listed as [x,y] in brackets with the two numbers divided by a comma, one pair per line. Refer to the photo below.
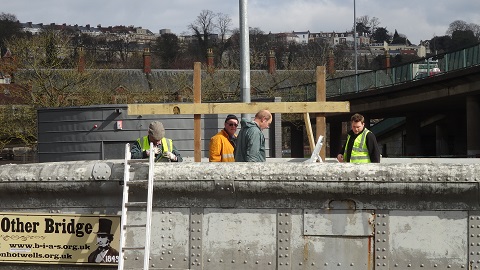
[373,23]
[370,23]
[475,29]
[224,22]
[202,28]
[47,70]
[457,25]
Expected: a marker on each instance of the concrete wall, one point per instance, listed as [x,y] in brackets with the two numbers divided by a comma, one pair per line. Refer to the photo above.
[274,215]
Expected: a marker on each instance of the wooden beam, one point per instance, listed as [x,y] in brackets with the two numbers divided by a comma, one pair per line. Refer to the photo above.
[321,122]
[232,108]
[308,128]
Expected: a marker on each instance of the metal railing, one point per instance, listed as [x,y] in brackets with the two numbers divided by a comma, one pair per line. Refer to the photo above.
[426,67]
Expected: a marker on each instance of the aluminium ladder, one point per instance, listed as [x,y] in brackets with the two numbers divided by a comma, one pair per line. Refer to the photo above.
[126,204]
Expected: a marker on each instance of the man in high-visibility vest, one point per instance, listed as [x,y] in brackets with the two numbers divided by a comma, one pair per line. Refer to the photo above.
[361,145]
[164,150]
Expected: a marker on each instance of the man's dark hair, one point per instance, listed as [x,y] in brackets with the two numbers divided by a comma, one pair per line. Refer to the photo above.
[357,118]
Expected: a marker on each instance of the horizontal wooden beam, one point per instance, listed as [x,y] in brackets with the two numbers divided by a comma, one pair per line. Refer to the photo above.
[226,108]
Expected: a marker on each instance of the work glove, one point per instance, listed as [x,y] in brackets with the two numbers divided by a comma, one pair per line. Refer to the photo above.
[171,156]
[156,151]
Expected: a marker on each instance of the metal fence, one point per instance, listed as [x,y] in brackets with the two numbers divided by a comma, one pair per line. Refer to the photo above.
[426,67]
[417,70]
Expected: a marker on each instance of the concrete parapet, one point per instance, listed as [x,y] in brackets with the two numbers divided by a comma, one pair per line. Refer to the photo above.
[97,184]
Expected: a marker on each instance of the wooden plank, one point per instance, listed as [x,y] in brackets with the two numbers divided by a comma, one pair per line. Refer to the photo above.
[232,108]
[197,118]
[308,127]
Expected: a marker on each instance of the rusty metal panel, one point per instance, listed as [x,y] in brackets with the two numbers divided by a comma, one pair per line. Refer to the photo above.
[239,238]
[334,252]
[428,239]
[326,222]
[327,252]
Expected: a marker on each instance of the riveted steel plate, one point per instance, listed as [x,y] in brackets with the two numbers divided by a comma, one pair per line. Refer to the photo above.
[382,250]
[328,252]
[333,252]
[196,238]
[474,239]
[338,222]
[239,238]
[428,239]
[101,171]
[170,238]
[284,228]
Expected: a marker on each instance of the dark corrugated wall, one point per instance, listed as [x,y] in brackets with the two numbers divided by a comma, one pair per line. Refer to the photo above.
[92,133]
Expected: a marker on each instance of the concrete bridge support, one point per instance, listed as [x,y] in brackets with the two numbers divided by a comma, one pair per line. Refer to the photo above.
[473,128]
[335,138]
[441,140]
[274,215]
[413,138]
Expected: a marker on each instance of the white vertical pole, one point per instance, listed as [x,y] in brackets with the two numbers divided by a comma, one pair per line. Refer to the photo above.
[244,55]
[355,44]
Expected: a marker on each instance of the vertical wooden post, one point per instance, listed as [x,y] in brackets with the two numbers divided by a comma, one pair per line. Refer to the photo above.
[197,118]
[321,96]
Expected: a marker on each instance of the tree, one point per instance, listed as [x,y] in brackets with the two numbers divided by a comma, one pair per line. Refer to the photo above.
[167,48]
[462,39]
[380,35]
[440,44]
[457,25]
[224,22]
[400,39]
[48,77]
[223,25]
[9,28]
[362,28]
[370,23]
[202,28]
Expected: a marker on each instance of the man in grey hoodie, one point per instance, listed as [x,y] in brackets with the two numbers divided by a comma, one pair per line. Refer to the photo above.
[250,140]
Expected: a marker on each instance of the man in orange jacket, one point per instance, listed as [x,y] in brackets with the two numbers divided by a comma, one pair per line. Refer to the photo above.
[222,144]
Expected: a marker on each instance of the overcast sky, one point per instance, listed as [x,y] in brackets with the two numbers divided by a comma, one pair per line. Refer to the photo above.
[417,19]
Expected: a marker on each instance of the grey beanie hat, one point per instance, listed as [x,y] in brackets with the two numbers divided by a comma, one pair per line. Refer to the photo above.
[156,130]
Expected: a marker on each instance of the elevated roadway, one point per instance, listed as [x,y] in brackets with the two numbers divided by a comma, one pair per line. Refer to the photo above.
[440,113]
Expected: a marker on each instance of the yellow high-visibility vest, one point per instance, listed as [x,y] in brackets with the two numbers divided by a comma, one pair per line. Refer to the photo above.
[359,150]
[167,144]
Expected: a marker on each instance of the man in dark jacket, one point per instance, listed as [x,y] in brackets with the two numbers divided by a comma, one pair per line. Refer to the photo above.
[250,140]
[164,149]
[361,145]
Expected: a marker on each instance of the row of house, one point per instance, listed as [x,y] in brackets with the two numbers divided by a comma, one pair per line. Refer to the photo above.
[140,35]
[126,33]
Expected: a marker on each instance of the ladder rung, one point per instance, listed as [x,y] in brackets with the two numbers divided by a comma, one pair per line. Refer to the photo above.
[136,182]
[133,248]
[136,204]
[130,161]
[135,225]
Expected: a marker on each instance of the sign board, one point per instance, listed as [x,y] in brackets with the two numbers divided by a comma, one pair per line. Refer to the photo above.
[63,239]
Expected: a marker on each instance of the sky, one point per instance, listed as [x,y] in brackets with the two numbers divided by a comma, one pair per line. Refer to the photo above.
[416,19]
